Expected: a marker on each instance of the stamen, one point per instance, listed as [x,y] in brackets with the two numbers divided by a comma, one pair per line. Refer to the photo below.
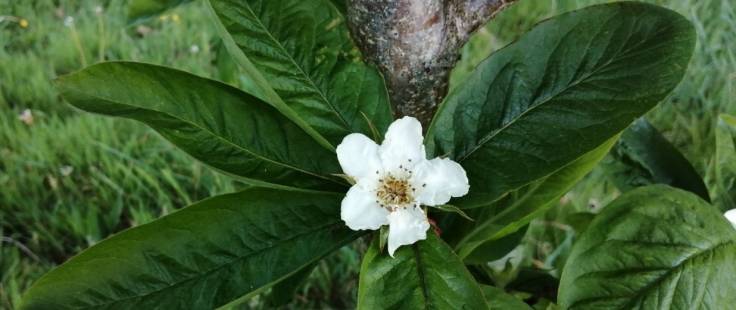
[393,191]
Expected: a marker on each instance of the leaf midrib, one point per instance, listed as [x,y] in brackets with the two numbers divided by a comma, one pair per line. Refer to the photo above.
[575,83]
[301,71]
[214,269]
[422,276]
[658,281]
[218,137]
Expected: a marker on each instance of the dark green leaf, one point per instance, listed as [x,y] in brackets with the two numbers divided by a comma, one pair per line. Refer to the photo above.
[426,275]
[529,203]
[454,209]
[341,5]
[215,123]
[300,55]
[560,91]
[726,162]
[200,257]
[283,292]
[496,248]
[498,299]
[643,157]
[539,283]
[655,247]
[142,9]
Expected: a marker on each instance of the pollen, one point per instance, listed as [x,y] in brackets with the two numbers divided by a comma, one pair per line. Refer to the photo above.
[393,192]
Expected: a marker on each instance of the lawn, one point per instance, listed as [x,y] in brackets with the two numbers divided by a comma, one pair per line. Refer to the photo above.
[68,179]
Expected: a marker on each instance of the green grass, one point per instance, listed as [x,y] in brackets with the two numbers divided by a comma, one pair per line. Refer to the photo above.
[70,179]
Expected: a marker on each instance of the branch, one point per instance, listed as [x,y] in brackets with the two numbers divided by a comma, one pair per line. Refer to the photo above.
[416,43]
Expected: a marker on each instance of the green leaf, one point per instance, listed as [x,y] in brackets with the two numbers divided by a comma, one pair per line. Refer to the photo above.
[498,299]
[300,55]
[139,10]
[215,123]
[560,91]
[454,209]
[529,203]
[496,248]
[643,157]
[283,292]
[341,6]
[200,257]
[426,275]
[726,162]
[655,247]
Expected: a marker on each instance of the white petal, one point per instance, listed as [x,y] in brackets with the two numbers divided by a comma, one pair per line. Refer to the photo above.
[731,216]
[438,180]
[359,210]
[407,225]
[403,144]
[358,156]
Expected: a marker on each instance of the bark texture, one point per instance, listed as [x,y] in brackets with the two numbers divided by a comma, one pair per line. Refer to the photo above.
[416,43]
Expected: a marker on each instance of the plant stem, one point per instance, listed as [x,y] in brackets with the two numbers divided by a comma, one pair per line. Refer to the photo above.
[416,43]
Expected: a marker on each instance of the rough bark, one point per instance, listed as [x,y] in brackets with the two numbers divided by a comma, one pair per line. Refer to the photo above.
[416,43]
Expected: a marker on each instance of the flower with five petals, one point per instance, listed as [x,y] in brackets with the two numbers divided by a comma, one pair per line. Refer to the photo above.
[393,181]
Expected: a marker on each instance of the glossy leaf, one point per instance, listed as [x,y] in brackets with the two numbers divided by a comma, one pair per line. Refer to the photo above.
[726,162]
[529,203]
[142,9]
[560,91]
[200,257]
[426,275]
[643,157]
[500,300]
[300,54]
[215,123]
[655,247]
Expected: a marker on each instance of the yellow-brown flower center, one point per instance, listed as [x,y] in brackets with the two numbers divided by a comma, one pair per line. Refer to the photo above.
[394,192]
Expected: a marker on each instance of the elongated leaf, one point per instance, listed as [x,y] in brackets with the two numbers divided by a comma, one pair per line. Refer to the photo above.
[200,257]
[560,91]
[531,201]
[300,54]
[656,247]
[644,156]
[215,123]
[726,162]
[427,275]
[142,9]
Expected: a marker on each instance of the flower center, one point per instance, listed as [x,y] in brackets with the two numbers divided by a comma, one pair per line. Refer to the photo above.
[394,192]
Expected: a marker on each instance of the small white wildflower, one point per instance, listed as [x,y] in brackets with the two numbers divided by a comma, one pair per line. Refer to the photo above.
[26,117]
[69,21]
[393,180]
[66,170]
[98,10]
[731,216]
[194,49]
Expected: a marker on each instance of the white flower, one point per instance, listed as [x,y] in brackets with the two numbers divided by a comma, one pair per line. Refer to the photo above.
[194,49]
[66,170]
[26,117]
[69,21]
[731,216]
[393,180]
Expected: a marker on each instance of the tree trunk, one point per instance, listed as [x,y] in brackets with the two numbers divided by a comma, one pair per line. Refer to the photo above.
[415,44]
